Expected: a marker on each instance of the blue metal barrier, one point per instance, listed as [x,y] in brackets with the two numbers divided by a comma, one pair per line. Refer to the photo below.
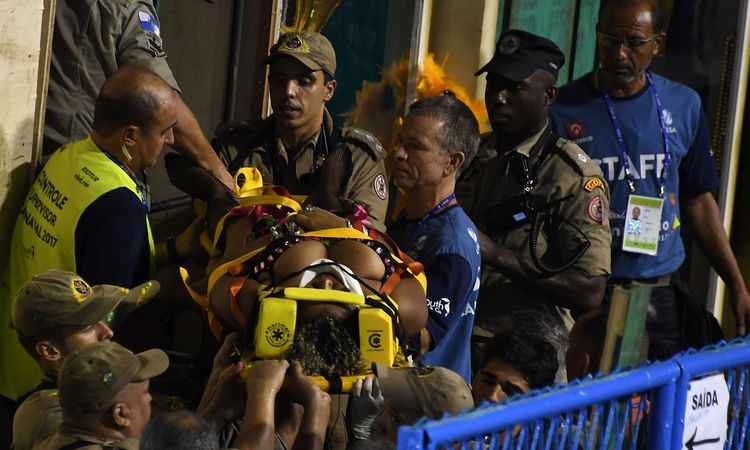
[588,414]
[600,413]
[732,359]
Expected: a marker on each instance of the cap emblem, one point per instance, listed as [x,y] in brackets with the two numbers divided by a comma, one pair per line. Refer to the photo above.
[509,44]
[107,378]
[294,42]
[81,290]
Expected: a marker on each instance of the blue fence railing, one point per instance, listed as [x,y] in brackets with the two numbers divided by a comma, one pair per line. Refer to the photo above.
[638,408]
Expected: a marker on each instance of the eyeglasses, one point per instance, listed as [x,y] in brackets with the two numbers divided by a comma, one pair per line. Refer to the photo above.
[632,43]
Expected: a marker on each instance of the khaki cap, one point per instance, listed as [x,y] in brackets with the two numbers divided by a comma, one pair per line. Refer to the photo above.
[58,298]
[91,377]
[424,391]
[312,49]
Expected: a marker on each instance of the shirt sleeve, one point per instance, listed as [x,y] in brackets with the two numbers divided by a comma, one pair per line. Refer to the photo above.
[698,172]
[368,185]
[141,43]
[449,283]
[112,240]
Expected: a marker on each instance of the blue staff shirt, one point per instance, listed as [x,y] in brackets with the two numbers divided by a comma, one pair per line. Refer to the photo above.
[447,244]
[580,114]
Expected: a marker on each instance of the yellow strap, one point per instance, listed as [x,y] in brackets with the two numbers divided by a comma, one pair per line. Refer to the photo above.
[274,200]
[347,382]
[331,233]
[203,301]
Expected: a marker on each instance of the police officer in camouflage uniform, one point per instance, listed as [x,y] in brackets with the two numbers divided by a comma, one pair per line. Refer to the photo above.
[539,200]
[298,146]
[94,38]
[55,314]
[104,394]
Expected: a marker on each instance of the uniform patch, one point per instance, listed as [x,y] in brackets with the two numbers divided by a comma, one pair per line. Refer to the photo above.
[294,42]
[593,183]
[380,186]
[594,210]
[581,157]
[81,290]
[576,130]
[149,23]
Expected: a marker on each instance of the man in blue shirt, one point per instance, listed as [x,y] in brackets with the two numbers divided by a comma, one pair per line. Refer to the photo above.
[650,138]
[439,134]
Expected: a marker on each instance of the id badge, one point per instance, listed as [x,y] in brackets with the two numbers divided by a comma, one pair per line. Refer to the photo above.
[642,225]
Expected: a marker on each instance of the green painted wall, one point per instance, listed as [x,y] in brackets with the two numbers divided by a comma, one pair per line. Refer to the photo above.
[556,20]
[357,30]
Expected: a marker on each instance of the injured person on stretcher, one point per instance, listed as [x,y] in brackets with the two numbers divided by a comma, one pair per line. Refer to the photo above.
[303,283]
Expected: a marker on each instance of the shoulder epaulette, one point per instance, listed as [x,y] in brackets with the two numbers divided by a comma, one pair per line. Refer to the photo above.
[576,157]
[364,140]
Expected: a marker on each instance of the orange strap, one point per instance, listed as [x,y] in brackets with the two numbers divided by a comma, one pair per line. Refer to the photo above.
[234,305]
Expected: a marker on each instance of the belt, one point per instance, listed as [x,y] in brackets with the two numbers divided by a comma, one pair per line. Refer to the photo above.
[664,280]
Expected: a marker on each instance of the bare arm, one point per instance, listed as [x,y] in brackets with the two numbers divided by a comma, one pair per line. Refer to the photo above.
[705,221]
[570,289]
[189,139]
[263,382]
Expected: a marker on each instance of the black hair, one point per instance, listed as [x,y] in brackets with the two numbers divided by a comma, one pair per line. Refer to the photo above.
[327,347]
[180,430]
[460,130]
[657,17]
[529,353]
[55,335]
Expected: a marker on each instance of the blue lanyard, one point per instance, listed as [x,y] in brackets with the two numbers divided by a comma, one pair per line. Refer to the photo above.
[442,204]
[662,177]
[140,186]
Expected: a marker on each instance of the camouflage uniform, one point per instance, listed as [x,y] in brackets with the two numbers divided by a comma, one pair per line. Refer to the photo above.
[92,39]
[349,156]
[38,417]
[569,186]
[258,145]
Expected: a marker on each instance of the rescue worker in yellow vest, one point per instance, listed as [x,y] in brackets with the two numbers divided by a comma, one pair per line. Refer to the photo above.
[87,211]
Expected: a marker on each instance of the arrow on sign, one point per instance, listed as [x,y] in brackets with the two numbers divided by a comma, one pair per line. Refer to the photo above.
[692,443]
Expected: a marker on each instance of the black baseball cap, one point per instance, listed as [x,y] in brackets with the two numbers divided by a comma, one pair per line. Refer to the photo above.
[519,53]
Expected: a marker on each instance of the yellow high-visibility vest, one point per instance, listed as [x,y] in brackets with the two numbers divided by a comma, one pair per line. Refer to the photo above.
[44,238]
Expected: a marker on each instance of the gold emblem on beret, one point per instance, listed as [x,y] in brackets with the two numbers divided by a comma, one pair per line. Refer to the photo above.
[80,289]
[294,42]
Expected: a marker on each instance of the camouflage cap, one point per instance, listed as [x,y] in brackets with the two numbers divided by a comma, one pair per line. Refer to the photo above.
[92,376]
[423,391]
[58,298]
[312,49]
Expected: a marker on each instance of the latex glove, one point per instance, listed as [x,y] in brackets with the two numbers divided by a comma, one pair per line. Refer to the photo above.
[366,402]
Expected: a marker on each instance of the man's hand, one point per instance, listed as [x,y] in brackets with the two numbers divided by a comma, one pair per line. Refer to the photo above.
[227,402]
[262,384]
[741,303]
[318,219]
[223,383]
[317,404]
[265,378]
